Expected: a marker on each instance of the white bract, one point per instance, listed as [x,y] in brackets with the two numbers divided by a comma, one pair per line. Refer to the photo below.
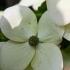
[59,11]
[1,12]
[19,24]
[34,3]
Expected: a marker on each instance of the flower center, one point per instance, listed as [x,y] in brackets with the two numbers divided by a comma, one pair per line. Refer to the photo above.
[33,41]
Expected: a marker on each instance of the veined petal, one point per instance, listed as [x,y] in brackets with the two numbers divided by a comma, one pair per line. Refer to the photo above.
[15,56]
[34,3]
[48,31]
[48,57]
[59,11]
[67,32]
[18,23]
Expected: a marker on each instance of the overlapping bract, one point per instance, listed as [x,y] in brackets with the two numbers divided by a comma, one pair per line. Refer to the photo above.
[19,23]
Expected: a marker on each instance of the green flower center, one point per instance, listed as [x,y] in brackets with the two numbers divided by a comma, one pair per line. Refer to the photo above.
[33,41]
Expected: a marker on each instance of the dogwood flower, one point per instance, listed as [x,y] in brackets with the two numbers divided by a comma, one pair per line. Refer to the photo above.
[34,3]
[30,42]
[59,11]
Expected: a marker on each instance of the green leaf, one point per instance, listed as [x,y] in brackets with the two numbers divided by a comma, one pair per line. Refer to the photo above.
[2,37]
[40,10]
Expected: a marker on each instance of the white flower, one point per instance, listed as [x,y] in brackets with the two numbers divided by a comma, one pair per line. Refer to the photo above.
[34,3]
[1,12]
[59,11]
[30,42]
